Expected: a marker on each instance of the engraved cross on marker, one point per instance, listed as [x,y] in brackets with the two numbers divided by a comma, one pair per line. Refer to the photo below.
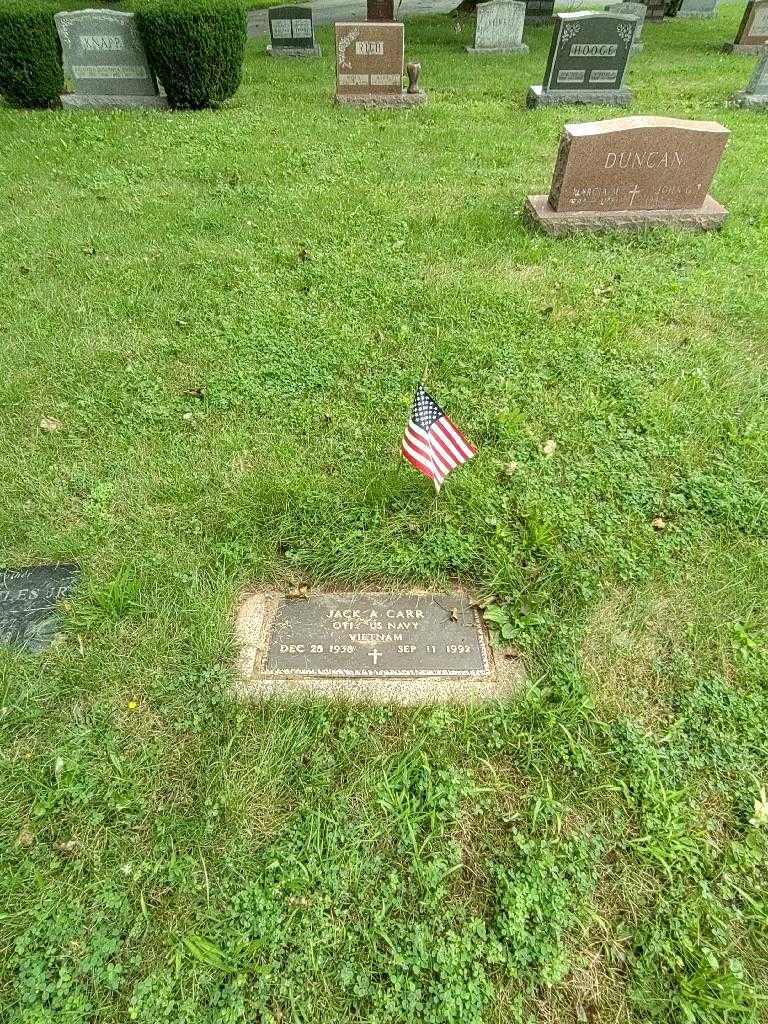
[375,654]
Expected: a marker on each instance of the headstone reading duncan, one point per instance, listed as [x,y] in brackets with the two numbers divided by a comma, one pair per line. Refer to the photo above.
[104,58]
[628,173]
[756,92]
[638,11]
[28,599]
[753,30]
[499,27]
[587,60]
[697,9]
[369,65]
[402,647]
[292,32]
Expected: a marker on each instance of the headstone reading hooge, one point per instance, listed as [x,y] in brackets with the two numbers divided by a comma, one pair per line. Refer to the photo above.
[587,60]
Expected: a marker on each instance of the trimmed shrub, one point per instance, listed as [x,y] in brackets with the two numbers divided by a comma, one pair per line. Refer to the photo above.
[30,54]
[195,48]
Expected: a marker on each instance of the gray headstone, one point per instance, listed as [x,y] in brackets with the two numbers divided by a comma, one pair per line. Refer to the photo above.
[104,57]
[28,599]
[499,27]
[292,32]
[697,9]
[366,635]
[539,12]
[587,60]
[638,11]
[756,92]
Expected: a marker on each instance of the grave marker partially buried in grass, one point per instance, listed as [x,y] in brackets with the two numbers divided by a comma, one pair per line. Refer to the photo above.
[399,647]
[28,599]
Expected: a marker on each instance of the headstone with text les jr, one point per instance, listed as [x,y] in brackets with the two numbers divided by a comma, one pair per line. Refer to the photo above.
[104,58]
[369,65]
[756,92]
[399,647]
[628,173]
[697,9]
[499,27]
[28,599]
[587,60]
[752,36]
[638,11]
[292,32]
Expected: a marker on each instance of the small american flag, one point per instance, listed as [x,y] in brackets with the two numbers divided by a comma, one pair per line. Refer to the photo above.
[432,443]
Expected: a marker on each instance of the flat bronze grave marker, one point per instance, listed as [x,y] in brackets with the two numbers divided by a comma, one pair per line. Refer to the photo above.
[28,599]
[401,647]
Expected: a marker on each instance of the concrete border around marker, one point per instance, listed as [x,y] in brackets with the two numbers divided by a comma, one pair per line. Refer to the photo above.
[253,626]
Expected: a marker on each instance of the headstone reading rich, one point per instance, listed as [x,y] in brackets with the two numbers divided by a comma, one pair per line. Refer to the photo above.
[28,599]
[499,27]
[292,32]
[104,58]
[697,9]
[380,10]
[628,173]
[587,60]
[369,65]
[756,92]
[539,12]
[402,647]
[753,30]
[638,11]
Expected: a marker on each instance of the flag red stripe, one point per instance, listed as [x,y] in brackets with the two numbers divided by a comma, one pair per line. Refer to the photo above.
[448,453]
[423,451]
[456,438]
[419,451]
[427,447]
[417,464]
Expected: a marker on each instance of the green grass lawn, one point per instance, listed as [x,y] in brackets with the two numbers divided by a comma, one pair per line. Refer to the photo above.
[590,853]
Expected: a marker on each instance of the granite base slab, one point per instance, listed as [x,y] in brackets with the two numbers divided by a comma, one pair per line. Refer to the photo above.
[696,15]
[521,48]
[538,96]
[404,99]
[749,48]
[538,19]
[74,101]
[294,51]
[539,214]
[750,100]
